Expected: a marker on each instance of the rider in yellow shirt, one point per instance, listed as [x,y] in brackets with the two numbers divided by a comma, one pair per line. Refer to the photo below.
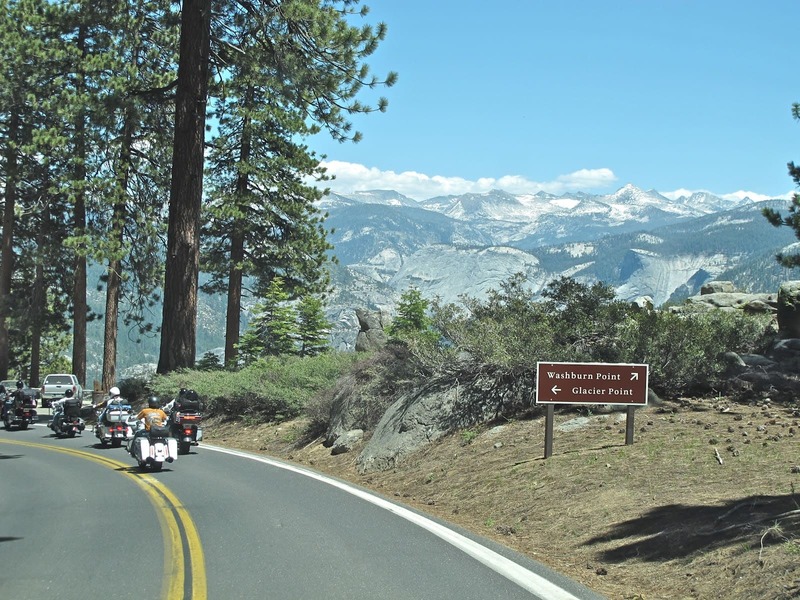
[153,414]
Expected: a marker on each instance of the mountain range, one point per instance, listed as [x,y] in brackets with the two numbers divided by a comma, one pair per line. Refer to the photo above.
[639,242]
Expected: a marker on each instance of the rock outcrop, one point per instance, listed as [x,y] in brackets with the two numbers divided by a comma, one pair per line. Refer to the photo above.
[723,295]
[371,335]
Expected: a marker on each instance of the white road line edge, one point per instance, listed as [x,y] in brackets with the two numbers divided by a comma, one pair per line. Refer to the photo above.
[523,577]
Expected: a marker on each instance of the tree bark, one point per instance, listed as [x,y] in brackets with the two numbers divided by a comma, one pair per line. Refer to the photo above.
[179,319]
[114,281]
[38,301]
[7,252]
[234,307]
[79,223]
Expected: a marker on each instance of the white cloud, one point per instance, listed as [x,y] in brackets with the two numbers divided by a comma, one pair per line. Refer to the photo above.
[351,177]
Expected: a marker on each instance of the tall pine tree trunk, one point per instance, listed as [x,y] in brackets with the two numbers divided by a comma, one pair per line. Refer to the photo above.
[114,271]
[7,252]
[79,223]
[234,308]
[38,301]
[179,321]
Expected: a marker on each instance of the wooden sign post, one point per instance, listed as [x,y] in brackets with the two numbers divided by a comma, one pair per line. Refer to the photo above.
[590,383]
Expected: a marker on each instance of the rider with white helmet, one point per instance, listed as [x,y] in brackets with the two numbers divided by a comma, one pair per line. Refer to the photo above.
[114,397]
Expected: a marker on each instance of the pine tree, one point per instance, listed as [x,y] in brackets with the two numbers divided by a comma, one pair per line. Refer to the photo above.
[261,220]
[313,328]
[317,56]
[793,218]
[411,316]
[273,329]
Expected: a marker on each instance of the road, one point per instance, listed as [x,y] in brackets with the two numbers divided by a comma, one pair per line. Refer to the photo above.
[81,521]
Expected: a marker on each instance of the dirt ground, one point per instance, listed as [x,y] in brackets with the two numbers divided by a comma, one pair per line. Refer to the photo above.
[704,504]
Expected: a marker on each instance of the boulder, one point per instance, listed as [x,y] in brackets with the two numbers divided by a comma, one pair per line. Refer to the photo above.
[370,335]
[754,303]
[417,419]
[344,443]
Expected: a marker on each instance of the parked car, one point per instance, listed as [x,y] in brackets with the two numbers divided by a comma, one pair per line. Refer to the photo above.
[56,384]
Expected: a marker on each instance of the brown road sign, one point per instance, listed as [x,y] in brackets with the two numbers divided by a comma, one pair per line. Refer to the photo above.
[591,383]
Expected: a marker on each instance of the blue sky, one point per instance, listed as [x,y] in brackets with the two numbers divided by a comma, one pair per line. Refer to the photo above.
[579,95]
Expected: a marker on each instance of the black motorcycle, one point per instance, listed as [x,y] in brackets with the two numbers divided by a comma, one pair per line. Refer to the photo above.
[184,423]
[19,410]
[69,423]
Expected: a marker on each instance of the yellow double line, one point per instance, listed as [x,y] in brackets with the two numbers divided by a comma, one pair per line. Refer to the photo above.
[184,566]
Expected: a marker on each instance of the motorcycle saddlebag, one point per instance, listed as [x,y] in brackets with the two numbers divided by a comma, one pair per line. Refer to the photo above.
[184,405]
[72,408]
[144,447]
[117,415]
[28,400]
[172,448]
[159,431]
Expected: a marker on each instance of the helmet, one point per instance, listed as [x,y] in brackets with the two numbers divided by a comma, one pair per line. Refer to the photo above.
[114,392]
[191,395]
[154,402]
[69,393]
[20,385]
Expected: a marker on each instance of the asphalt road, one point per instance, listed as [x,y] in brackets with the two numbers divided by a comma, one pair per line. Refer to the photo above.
[81,521]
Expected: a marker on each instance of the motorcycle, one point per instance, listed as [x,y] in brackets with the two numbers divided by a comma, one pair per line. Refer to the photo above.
[19,412]
[184,426]
[114,425]
[153,448]
[69,423]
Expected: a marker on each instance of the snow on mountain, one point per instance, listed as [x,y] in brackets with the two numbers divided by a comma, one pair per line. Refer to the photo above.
[383,197]
[709,203]
[627,205]
[387,197]
[639,242]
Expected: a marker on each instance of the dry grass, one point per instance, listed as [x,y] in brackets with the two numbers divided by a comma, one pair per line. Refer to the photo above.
[705,503]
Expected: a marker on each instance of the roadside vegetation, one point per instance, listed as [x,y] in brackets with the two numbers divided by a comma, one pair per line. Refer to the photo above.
[703,505]
[499,339]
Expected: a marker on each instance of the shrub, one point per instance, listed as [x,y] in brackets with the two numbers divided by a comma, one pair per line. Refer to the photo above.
[685,350]
[273,388]
[369,387]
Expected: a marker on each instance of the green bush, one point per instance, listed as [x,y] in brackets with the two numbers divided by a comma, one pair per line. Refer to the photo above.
[510,331]
[488,346]
[685,350]
[273,388]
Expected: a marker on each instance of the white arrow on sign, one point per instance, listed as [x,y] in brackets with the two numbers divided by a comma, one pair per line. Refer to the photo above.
[555,389]
[634,376]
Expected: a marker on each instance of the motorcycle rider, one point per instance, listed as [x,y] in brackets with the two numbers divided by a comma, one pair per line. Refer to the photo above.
[58,409]
[183,394]
[13,399]
[114,397]
[152,415]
